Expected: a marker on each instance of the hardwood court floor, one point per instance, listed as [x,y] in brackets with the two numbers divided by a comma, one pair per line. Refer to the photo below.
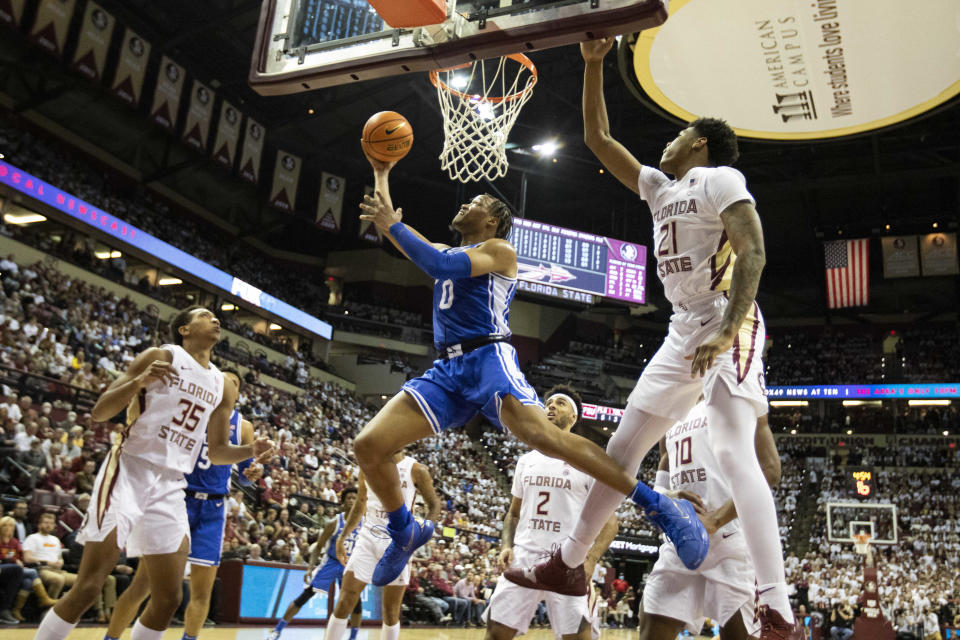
[310,633]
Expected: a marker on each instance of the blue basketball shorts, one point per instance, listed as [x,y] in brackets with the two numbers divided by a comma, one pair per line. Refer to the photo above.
[453,391]
[331,571]
[207,519]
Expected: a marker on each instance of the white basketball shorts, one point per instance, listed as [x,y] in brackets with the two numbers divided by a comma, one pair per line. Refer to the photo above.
[721,586]
[370,546]
[142,501]
[666,388]
[514,606]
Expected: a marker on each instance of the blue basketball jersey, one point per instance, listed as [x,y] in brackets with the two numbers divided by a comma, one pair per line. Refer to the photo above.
[348,542]
[470,308]
[214,478]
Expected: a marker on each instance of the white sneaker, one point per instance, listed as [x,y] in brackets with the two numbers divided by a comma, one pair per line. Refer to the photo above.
[273,635]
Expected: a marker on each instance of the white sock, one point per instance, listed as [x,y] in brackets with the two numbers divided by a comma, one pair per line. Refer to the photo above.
[638,432]
[53,627]
[141,632]
[390,632]
[733,426]
[335,628]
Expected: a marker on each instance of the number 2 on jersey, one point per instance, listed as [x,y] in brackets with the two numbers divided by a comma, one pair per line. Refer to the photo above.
[542,509]
[446,294]
[669,231]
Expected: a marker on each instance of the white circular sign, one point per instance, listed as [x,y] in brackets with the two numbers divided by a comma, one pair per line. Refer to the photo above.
[802,69]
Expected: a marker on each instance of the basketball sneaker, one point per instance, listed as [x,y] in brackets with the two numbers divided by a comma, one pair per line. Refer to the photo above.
[551,575]
[273,635]
[679,522]
[397,555]
[774,627]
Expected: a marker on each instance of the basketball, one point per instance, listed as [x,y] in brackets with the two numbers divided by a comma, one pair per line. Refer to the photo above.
[387,136]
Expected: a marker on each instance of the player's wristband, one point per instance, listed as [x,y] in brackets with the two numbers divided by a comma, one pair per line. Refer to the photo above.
[437,264]
[662,485]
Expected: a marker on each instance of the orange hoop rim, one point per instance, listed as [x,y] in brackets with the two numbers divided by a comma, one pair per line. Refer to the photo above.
[516,57]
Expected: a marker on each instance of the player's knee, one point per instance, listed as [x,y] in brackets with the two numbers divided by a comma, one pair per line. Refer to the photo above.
[85,592]
[366,450]
[391,618]
[166,598]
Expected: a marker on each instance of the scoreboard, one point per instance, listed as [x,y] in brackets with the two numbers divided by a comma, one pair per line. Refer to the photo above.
[581,261]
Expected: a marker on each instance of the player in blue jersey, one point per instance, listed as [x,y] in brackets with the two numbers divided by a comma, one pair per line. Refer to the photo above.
[208,487]
[332,570]
[477,372]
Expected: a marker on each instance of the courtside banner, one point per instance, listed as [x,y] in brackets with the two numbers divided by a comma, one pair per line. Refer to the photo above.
[866,391]
[95,34]
[11,12]
[900,257]
[286,177]
[330,202]
[789,70]
[228,132]
[197,130]
[166,97]
[938,253]
[134,55]
[252,151]
[50,28]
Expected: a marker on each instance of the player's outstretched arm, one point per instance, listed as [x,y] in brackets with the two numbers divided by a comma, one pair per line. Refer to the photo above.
[424,484]
[510,522]
[247,472]
[596,126]
[219,449]
[153,364]
[353,518]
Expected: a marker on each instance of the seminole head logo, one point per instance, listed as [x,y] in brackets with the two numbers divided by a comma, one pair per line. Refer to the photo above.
[628,252]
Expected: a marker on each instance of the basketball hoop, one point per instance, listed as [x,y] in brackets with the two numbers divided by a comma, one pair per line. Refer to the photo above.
[861,543]
[477,120]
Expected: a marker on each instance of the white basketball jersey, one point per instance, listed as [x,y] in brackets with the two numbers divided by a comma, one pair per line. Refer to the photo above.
[552,494]
[376,516]
[167,421]
[692,465]
[689,242]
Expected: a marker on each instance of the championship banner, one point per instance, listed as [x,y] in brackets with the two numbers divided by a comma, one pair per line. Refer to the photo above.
[95,34]
[50,28]
[900,257]
[369,231]
[134,55]
[252,151]
[808,70]
[228,132]
[166,97]
[286,176]
[938,254]
[11,12]
[197,131]
[330,202]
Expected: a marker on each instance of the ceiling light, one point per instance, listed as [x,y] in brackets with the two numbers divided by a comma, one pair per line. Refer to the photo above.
[310,111]
[23,218]
[459,81]
[164,282]
[2,156]
[275,327]
[935,225]
[485,111]
[104,255]
[887,227]
[546,149]
[793,432]
[227,306]
[601,171]
[849,432]
[928,403]
[789,403]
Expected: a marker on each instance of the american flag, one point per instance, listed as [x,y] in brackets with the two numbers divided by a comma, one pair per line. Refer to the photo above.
[848,272]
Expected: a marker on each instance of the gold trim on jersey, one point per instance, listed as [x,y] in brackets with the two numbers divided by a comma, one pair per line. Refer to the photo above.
[720,276]
[104,491]
[745,344]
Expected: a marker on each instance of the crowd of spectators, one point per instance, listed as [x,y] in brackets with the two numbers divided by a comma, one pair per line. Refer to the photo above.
[824,356]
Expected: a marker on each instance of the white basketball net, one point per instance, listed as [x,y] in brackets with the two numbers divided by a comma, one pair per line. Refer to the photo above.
[477,120]
[861,543]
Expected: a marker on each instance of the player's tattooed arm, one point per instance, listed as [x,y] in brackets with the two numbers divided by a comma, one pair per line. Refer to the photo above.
[742,225]
[596,126]
[424,484]
[510,522]
[153,364]
[601,544]
[353,518]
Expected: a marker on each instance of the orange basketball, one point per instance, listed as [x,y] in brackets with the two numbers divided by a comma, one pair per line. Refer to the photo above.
[387,136]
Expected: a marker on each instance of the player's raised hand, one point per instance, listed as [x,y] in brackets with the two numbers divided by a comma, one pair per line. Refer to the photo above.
[506,557]
[254,472]
[341,551]
[262,448]
[377,210]
[594,50]
[379,166]
[706,353]
[157,370]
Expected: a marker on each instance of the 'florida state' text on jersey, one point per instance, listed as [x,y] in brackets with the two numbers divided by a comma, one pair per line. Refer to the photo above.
[692,465]
[375,515]
[552,494]
[693,254]
[470,308]
[167,421]
[207,477]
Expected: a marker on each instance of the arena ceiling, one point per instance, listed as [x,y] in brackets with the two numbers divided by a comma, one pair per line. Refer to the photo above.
[907,177]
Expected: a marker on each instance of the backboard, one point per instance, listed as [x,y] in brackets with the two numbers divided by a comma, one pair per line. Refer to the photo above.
[847,519]
[303,45]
